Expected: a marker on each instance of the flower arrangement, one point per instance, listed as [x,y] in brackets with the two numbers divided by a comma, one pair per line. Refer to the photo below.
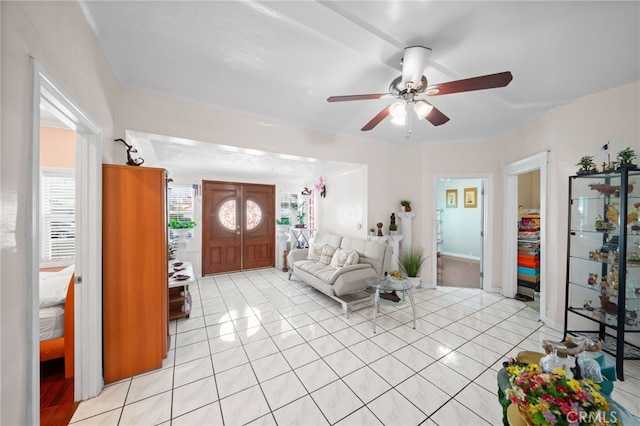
[322,187]
[552,398]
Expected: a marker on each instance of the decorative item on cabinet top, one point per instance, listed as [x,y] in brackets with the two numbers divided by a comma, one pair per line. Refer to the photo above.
[130,149]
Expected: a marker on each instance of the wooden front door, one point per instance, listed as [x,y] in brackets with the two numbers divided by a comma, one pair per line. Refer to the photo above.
[238,226]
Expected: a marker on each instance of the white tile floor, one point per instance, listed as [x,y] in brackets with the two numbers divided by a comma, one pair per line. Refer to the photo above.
[261,349]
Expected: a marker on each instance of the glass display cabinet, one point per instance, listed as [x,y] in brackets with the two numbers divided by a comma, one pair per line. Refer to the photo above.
[603,264]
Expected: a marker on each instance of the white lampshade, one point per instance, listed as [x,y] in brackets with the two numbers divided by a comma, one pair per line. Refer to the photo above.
[398,112]
[422,109]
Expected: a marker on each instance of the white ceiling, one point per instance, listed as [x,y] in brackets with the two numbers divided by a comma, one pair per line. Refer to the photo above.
[282,59]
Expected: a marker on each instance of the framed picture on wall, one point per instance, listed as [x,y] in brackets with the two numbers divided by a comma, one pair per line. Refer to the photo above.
[452,198]
[471,197]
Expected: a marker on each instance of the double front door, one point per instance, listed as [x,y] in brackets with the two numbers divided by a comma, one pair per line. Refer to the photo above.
[238,226]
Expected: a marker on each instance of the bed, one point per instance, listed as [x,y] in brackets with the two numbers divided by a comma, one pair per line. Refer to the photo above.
[56,317]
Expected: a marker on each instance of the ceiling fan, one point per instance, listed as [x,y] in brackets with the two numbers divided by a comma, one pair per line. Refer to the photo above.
[412,83]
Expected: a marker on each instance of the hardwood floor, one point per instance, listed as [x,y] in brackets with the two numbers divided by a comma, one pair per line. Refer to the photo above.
[56,394]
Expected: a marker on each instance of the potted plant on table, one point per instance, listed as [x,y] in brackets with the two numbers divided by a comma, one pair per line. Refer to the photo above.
[181,233]
[410,261]
[625,158]
[406,204]
[393,228]
[587,166]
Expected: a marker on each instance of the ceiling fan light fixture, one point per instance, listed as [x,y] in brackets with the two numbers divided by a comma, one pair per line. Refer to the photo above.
[422,109]
[432,91]
[398,109]
[399,121]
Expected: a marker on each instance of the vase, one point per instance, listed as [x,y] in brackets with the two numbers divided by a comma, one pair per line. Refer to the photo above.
[407,208]
[524,413]
[182,237]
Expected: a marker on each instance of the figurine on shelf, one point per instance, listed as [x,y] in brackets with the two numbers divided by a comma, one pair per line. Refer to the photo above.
[393,219]
[587,306]
[608,306]
[593,279]
[631,317]
[379,225]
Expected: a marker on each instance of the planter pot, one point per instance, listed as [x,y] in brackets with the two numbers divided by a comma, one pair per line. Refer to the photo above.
[415,281]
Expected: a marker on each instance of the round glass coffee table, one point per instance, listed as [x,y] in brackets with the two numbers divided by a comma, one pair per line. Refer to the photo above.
[387,285]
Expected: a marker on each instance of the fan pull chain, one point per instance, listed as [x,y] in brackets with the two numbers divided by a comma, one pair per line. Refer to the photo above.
[410,113]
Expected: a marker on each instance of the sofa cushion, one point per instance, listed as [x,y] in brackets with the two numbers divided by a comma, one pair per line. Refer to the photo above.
[315,251]
[327,254]
[371,252]
[324,237]
[320,270]
[343,257]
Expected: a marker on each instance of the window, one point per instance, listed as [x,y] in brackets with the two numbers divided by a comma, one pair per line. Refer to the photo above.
[181,203]
[288,207]
[58,224]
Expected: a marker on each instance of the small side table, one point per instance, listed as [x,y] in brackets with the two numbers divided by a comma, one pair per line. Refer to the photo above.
[386,284]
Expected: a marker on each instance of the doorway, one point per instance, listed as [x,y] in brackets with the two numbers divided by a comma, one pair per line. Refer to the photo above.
[512,216]
[238,230]
[459,229]
[88,242]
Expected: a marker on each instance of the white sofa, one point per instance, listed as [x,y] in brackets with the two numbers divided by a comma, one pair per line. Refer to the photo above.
[339,282]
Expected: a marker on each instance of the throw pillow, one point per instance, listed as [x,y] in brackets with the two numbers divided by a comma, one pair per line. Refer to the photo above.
[327,254]
[343,257]
[352,258]
[339,257]
[315,250]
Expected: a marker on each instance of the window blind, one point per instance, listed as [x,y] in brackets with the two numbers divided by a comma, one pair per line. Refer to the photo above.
[58,211]
[181,203]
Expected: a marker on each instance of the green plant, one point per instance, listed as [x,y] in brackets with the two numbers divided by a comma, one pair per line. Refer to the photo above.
[172,249]
[586,162]
[405,203]
[626,156]
[182,224]
[411,261]
[283,221]
[301,212]
[372,229]
[393,227]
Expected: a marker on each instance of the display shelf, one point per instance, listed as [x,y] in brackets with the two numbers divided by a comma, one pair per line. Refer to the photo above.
[179,303]
[602,287]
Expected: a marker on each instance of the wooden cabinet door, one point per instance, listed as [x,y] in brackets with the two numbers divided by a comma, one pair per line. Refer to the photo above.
[135,255]
[238,230]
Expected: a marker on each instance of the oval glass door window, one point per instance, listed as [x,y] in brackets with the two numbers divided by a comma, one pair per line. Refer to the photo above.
[227,215]
[254,215]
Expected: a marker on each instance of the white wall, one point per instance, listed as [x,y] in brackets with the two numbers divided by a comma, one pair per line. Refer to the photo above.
[59,38]
[343,211]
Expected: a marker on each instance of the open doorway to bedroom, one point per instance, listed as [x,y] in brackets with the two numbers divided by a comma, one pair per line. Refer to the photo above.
[57,243]
[64,227]
[460,226]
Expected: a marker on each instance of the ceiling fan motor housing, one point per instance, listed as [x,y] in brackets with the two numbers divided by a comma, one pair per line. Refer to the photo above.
[414,62]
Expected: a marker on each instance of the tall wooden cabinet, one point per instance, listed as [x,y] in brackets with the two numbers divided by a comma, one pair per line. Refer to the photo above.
[134,235]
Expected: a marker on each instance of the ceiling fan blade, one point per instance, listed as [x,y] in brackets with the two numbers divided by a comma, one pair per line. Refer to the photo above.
[489,81]
[436,117]
[356,97]
[377,119]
